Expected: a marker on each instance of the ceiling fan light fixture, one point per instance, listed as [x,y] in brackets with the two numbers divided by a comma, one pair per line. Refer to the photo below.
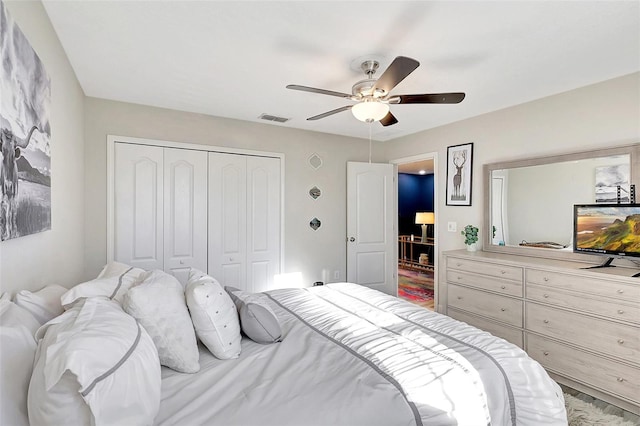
[368,111]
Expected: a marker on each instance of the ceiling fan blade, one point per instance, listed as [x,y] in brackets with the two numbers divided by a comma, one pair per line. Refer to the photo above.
[328,113]
[395,73]
[320,91]
[428,98]
[388,119]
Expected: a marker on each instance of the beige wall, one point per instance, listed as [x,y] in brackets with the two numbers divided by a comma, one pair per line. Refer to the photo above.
[54,256]
[306,251]
[597,116]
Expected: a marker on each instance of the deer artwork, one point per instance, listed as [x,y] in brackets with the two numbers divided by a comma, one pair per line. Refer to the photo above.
[10,146]
[459,158]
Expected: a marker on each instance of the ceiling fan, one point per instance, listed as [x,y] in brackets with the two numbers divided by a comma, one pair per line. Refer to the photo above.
[373,95]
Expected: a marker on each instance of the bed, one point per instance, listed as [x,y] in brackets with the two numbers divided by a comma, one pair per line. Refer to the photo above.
[347,355]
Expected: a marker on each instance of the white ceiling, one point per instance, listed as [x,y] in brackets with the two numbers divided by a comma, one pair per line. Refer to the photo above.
[234,59]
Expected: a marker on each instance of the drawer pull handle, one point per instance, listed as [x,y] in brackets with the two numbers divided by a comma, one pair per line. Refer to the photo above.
[546,321]
[459,297]
[545,353]
[502,309]
[545,296]
[620,291]
[546,279]
[621,341]
[458,264]
[620,311]
[503,287]
[503,272]
[620,379]
[459,278]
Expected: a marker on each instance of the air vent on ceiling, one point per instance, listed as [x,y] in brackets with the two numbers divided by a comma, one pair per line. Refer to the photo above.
[270,117]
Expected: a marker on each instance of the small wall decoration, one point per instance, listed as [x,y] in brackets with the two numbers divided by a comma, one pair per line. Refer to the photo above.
[315,223]
[315,192]
[25,134]
[608,178]
[459,174]
[315,161]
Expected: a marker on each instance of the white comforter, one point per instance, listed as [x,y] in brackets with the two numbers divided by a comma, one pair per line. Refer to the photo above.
[355,356]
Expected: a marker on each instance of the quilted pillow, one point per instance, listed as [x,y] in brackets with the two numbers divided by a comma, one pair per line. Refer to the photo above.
[94,365]
[157,301]
[43,304]
[257,319]
[214,315]
[112,283]
[18,344]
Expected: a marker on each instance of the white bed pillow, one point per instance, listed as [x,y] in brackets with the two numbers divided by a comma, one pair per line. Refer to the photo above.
[17,351]
[214,315]
[112,283]
[94,365]
[157,301]
[43,304]
[257,319]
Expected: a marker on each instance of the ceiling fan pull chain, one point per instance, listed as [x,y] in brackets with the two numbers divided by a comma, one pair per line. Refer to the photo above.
[370,124]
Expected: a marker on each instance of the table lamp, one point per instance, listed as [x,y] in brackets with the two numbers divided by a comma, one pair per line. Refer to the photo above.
[424,219]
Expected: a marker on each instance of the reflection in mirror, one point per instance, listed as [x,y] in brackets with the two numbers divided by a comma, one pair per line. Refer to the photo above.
[533,205]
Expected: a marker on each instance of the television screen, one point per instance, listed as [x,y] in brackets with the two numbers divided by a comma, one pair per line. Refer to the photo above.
[610,229]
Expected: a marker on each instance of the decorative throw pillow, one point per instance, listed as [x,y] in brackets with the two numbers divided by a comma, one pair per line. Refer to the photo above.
[157,301]
[43,304]
[112,283]
[94,365]
[17,330]
[257,319]
[214,315]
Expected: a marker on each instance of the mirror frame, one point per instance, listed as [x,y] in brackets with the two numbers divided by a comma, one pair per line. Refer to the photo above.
[634,158]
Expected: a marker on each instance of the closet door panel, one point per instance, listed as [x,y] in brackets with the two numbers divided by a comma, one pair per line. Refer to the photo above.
[185,212]
[263,221]
[227,219]
[138,202]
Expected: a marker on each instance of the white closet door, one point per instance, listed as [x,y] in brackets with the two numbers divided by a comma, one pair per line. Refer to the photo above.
[185,212]
[263,222]
[227,219]
[138,205]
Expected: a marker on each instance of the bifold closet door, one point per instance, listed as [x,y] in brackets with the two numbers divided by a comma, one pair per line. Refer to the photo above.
[138,198]
[185,212]
[244,220]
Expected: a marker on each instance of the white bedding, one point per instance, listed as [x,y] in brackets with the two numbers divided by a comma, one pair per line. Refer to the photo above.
[354,356]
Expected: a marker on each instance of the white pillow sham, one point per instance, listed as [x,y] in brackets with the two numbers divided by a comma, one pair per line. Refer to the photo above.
[157,301]
[257,319]
[112,283]
[43,304]
[94,365]
[18,348]
[214,315]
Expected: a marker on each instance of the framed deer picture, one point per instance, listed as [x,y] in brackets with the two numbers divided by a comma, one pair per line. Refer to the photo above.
[459,174]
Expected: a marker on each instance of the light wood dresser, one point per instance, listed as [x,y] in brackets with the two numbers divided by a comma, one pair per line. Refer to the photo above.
[582,325]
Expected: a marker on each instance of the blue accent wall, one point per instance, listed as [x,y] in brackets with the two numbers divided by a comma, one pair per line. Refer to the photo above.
[415,194]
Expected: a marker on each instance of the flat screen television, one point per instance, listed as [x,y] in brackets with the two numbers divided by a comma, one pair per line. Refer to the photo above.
[607,229]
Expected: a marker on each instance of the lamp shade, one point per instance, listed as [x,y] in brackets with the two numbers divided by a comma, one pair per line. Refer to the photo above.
[370,111]
[425,218]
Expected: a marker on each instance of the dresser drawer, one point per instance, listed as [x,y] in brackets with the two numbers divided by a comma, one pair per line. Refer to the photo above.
[501,308]
[483,282]
[585,303]
[616,378]
[596,286]
[510,334]
[596,334]
[477,267]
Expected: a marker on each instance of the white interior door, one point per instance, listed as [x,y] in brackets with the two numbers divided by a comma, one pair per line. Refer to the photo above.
[227,219]
[370,219]
[185,212]
[263,222]
[138,199]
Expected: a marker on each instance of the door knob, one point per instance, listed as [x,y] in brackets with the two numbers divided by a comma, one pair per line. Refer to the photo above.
[352,239]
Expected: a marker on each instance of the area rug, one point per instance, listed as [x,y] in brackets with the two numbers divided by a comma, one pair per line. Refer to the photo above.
[581,413]
[416,287]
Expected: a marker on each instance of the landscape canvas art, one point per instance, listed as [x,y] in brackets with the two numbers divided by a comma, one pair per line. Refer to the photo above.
[25,135]
[607,180]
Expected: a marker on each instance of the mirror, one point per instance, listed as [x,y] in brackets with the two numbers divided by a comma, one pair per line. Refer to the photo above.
[529,202]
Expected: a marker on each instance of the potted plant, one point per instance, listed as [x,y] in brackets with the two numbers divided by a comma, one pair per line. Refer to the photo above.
[470,233]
